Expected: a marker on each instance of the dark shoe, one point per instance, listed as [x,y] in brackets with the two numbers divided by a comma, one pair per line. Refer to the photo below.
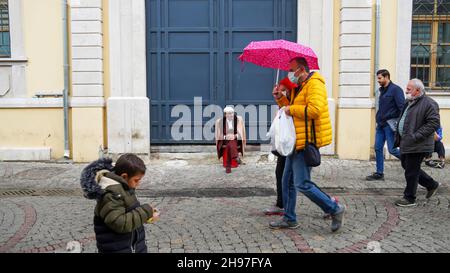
[405,203]
[228,170]
[432,192]
[274,211]
[375,177]
[338,219]
[283,224]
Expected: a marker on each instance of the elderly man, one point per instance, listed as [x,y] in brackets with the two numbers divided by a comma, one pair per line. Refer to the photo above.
[230,138]
[310,94]
[415,136]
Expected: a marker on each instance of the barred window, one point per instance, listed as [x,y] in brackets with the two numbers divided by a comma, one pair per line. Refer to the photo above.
[430,51]
[5,44]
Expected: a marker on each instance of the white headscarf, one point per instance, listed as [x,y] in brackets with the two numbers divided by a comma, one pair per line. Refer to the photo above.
[228,109]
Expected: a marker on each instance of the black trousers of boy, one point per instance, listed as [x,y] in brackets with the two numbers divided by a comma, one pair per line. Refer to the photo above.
[281,162]
[415,175]
[439,149]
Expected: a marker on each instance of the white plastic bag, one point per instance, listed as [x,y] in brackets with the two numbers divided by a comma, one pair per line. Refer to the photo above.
[282,133]
[274,132]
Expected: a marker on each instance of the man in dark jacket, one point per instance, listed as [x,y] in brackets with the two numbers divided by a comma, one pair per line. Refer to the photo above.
[390,103]
[418,122]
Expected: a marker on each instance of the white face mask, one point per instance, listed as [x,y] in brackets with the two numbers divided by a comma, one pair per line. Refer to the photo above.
[292,77]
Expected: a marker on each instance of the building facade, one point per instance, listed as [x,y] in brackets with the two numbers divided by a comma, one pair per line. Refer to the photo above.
[110,76]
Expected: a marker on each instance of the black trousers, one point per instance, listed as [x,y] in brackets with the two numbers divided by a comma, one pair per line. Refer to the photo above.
[415,175]
[281,162]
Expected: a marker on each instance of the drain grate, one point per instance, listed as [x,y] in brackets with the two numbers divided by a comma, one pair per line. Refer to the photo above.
[37,192]
[16,193]
[59,192]
[209,192]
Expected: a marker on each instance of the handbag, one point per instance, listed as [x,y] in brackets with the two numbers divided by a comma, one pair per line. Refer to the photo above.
[312,153]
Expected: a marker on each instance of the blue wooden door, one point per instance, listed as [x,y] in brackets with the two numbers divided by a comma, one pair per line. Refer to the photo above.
[192,51]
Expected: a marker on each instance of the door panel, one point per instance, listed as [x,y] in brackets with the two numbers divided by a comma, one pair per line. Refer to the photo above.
[192,50]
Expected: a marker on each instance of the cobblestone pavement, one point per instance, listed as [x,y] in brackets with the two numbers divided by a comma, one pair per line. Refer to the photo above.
[193,171]
[205,210]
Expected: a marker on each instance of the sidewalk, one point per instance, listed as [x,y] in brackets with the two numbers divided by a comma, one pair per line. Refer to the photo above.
[172,171]
[228,218]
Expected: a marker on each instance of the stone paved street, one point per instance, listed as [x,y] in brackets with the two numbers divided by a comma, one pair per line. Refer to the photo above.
[205,210]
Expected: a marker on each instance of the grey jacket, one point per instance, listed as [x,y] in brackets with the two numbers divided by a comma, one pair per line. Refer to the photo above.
[422,120]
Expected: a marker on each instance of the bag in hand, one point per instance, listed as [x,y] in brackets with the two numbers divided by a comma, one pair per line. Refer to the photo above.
[282,133]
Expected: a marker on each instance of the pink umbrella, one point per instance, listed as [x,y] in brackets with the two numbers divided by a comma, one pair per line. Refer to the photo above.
[277,54]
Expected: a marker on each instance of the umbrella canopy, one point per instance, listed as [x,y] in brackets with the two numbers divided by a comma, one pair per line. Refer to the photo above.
[277,54]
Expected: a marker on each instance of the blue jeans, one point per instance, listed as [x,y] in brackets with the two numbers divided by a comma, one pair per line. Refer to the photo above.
[384,134]
[297,177]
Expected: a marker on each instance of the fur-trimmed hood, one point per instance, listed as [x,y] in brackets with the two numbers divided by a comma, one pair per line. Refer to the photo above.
[93,182]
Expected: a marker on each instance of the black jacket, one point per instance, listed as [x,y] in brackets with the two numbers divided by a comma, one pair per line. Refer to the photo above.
[119,217]
[110,241]
[422,121]
[391,102]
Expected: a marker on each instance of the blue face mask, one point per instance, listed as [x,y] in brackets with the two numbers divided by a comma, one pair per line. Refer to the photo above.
[292,77]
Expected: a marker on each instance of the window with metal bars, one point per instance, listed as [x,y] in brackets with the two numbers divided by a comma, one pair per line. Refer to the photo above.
[430,51]
[5,42]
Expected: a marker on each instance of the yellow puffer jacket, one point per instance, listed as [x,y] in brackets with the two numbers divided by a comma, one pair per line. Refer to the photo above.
[314,95]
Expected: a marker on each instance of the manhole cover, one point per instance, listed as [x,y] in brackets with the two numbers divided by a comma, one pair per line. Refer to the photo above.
[40,173]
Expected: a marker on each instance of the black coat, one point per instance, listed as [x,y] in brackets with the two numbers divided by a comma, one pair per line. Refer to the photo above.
[109,241]
[119,217]
[422,121]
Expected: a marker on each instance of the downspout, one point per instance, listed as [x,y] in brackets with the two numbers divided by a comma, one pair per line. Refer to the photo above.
[377,49]
[66,80]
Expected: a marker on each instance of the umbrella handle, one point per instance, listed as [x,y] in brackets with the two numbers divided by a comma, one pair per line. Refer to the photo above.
[278,75]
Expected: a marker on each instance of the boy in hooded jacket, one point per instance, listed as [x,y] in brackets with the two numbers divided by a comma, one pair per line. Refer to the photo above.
[119,217]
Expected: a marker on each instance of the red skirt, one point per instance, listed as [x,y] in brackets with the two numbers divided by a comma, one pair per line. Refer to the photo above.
[234,163]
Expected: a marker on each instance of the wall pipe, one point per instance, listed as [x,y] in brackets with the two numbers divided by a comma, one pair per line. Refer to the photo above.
[377,49]
[66,80]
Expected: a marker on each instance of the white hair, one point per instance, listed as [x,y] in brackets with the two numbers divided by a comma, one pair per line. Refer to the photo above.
[418,84]
[228,109]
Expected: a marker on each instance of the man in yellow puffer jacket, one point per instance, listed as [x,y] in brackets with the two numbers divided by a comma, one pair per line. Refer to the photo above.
[297,176]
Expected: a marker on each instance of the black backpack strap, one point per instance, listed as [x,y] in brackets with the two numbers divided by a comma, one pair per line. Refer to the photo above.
[313,131]
[306,125]
[313,128]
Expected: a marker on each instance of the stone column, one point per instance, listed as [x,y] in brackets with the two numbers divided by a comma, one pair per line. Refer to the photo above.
[128,106]
[87,96]
[315,29]
[355,95]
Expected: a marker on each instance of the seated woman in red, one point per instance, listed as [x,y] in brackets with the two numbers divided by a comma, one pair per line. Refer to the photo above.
[230,139]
